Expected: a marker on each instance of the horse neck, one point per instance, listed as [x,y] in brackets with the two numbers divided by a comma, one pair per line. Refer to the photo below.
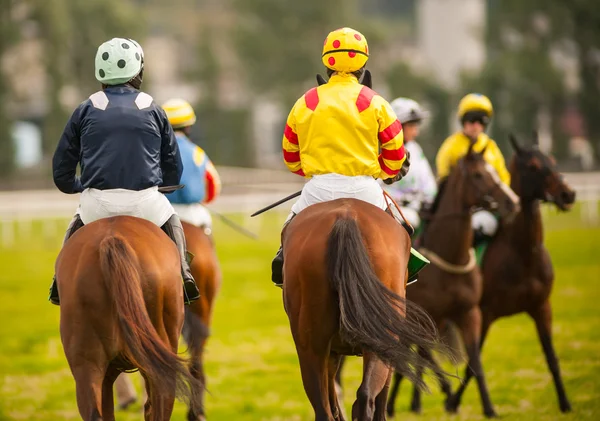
[451,221]
[526,231]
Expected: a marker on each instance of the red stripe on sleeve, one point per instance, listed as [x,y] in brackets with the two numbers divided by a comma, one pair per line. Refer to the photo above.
[391,132]
[291,157]
[210,188]
[311,99]
[299,172]
[394,154]
[290,135]
[387,169]
[364,98]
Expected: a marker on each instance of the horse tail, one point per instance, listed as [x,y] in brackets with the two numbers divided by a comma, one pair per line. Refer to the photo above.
[371,314]
[143,346]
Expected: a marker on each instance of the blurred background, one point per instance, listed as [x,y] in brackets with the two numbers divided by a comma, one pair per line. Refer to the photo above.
[242,64]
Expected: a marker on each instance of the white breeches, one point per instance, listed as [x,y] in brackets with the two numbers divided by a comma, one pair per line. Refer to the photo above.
[148,204]
[194,214]
[327,187]
[485,221]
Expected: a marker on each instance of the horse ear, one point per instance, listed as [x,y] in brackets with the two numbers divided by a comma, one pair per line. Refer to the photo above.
[514,143]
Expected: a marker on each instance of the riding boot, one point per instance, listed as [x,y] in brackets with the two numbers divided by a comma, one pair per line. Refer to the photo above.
[75,224]
[277,264]
[174,230]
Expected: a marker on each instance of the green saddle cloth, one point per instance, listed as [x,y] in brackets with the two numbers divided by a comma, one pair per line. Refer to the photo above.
[416,263]
[480,250]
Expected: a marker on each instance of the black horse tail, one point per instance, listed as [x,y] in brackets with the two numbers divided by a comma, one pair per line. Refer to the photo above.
[371,315]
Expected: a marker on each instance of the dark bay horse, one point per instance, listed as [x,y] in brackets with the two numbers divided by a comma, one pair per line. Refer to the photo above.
[450,288]
[344,293]
[517,269]
[122,309]
[198,316]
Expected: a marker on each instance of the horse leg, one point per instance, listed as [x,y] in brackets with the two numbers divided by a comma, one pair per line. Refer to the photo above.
[334,403]
[393,394]
[470,326]
[453,400]
[381,400]
[339,390]
[415,404]
[88,384]
[195,332]
[108,403]
[543,323]
[375,378]
[315,373]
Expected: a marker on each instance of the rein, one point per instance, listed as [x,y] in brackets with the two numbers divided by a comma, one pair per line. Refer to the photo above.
[450,267]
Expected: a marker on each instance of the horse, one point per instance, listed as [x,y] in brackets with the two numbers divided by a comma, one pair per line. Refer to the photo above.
[517,269]
[198,315]
[345,274]
[450,288]
[122,309]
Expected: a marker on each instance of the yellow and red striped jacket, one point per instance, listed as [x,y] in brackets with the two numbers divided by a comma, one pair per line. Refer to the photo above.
[339,128]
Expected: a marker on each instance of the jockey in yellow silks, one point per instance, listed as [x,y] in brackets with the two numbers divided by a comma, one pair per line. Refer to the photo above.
[342,135]
[474,112]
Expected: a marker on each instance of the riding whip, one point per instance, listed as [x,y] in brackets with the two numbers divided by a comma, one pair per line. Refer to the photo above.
[279,202]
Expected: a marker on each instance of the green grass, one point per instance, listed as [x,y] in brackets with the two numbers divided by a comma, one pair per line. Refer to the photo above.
[251,363]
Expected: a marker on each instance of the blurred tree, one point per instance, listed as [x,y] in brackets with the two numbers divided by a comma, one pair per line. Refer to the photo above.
[71,31]
[8,34]
[520,74]
[404,82]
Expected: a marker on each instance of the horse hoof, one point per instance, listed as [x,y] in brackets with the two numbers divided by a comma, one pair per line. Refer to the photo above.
[565,407]
[451,406]
[490,414]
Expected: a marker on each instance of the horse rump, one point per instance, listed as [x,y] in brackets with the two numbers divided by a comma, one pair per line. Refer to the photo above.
[371,315]
[144,348]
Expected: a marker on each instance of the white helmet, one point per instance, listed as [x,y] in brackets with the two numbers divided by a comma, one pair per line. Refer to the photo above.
[118,61]
[408,110]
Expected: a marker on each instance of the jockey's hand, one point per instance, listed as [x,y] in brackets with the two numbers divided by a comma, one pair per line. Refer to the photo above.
[366,79]
[405,165]
[403,171]
[320,80]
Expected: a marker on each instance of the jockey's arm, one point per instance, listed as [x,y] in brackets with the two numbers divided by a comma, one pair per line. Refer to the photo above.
[290,145]
[498,162]
[170,159]
[213,182]
[391,139]
[66,156]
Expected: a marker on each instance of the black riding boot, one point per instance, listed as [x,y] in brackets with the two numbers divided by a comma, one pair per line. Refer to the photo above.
[174,230]
[75,224]
[277,264]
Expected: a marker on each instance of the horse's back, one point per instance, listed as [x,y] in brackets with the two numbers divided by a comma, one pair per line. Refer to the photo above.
[83,289]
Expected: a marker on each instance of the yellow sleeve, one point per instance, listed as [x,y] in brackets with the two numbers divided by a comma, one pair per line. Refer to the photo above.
[498,162]
[391,139]
[444,159]
[290,145]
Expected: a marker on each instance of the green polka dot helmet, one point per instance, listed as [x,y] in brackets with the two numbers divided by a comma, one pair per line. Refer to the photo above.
[118,61]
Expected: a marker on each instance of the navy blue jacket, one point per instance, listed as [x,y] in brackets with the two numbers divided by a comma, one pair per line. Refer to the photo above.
[122,140]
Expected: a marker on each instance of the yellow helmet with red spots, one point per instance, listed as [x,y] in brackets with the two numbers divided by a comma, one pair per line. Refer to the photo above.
[345,50]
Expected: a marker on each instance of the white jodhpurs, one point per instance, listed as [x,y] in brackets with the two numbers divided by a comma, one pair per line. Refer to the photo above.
[194,214]
[148,204]
[327,187]
[485,221]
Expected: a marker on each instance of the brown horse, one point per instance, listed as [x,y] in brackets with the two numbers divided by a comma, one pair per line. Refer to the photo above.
[450,288]
[196,328]
[344,293]
[122,309]
[517,269]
